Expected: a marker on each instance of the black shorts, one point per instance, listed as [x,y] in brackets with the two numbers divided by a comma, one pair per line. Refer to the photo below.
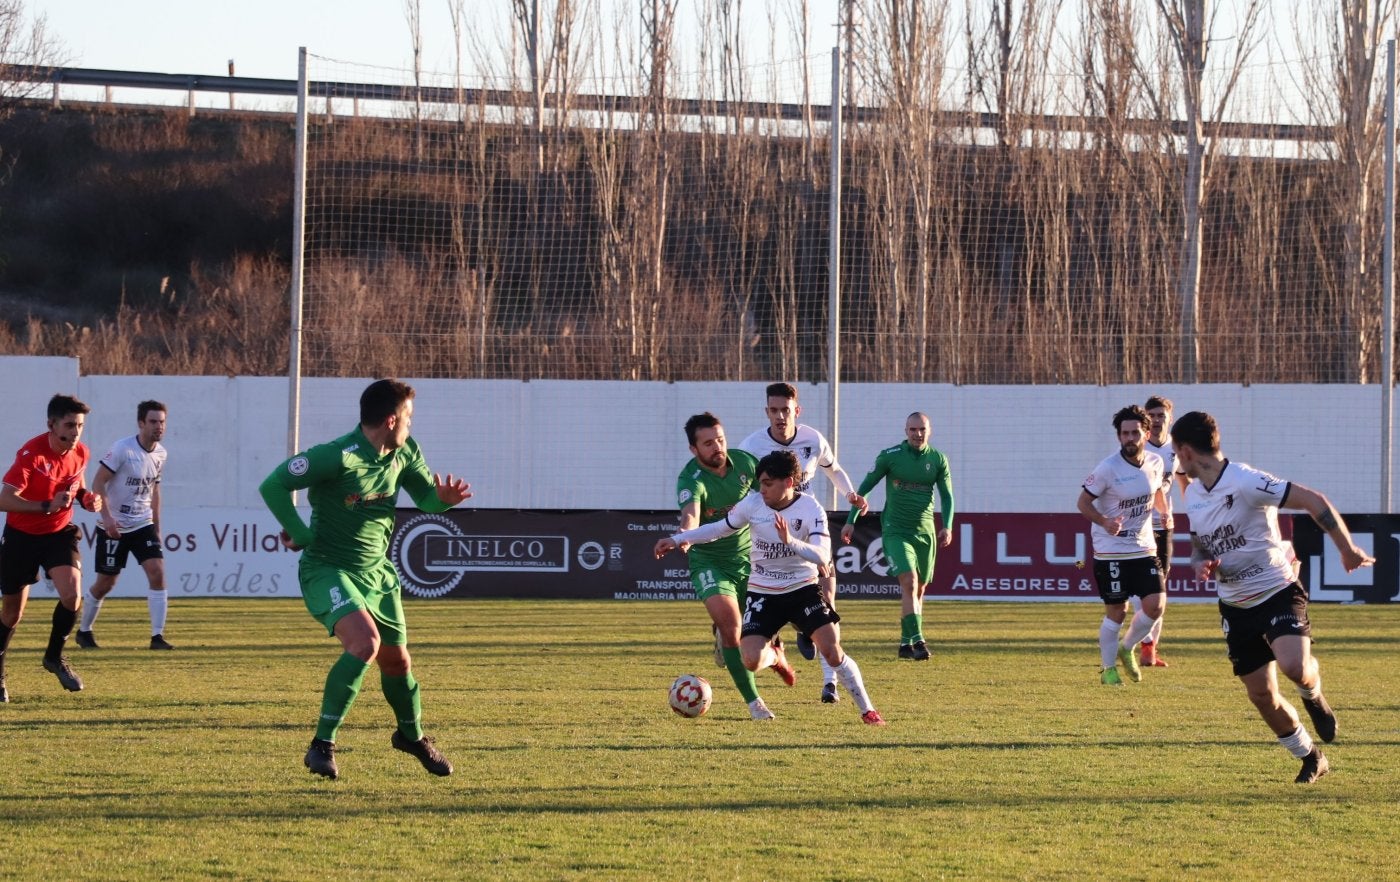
[1248,632]
[766,614]
[1135,577]
[1164,554]
[111,553]
[23,554]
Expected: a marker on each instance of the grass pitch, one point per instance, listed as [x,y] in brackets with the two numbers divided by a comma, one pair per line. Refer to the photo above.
[1004,757]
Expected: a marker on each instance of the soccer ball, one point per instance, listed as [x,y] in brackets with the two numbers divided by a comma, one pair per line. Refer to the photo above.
[690,695]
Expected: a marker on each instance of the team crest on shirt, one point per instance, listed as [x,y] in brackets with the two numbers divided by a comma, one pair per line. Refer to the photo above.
[807,451]
[1229,500]
[797,525]
[298,465]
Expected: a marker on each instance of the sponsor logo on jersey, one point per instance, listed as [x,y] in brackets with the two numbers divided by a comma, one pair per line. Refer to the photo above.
[1267,483]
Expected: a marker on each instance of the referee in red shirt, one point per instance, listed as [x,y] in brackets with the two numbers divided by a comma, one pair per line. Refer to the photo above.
[38,495]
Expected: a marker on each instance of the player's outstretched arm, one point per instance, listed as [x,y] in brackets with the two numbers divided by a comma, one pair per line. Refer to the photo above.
[451,491]
[1320,507]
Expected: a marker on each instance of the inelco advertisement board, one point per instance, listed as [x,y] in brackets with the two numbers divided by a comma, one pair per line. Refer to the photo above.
[608,554]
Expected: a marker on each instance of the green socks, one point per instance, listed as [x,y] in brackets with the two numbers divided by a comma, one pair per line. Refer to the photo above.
[911,629]
[402,693]
[342,685]
[743,677]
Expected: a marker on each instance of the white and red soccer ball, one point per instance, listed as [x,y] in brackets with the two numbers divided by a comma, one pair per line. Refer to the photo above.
[690,695]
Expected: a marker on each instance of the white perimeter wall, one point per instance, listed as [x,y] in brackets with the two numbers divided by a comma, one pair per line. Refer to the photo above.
[586,445]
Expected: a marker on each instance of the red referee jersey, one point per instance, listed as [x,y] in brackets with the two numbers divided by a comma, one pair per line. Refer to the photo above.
[39,472]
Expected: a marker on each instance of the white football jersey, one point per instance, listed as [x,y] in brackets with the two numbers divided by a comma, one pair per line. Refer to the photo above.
[135,473]
[1121,488]
[1236,521]
[1168,454]
[776,567]
[812,452]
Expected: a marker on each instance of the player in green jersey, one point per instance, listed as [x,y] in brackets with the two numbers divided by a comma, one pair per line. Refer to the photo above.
[347,581]
[712,483]
[912,472]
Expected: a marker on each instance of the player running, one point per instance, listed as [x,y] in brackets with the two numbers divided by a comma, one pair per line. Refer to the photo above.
[1263,609]
[347,581]
[1118,498]
[39,492]
[1159,411]
[128,477]
[912,471]
[712,483]
[810,447]
[790,543]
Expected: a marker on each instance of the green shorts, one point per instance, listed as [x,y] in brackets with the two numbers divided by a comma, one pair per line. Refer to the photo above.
[331,593]
[709,580]
[911,554]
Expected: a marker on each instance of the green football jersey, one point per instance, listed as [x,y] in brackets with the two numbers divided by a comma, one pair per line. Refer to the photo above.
[717,496]
[353,492]
[911,476]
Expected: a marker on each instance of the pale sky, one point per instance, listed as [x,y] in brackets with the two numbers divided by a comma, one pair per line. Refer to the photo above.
[262,36]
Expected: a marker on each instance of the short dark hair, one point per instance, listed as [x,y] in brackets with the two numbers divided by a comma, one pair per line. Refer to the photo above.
[778,464]
[146,407]
[704,420]
[782,390]
[1131,412]
[1157,401]
[1198,431]
[62,405]
[382,399]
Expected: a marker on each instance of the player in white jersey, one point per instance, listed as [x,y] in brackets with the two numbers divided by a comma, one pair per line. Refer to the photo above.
[1263,609]
[1159,411]
[810,447]
[790,543]
[129,478]
[1118,498]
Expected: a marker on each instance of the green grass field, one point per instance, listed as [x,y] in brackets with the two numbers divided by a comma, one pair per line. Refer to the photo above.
[1003,759]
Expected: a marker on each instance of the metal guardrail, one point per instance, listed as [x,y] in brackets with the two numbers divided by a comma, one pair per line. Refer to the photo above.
[624,104]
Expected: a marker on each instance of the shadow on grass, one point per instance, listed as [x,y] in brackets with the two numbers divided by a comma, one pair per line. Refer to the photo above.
[311,803]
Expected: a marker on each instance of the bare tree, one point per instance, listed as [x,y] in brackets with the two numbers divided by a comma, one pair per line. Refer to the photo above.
[24,40]
[1190,31]
[1343,89]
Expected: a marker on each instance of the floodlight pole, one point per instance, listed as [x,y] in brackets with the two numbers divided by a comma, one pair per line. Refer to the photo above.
[1388,284]
[833,280]
[298,261]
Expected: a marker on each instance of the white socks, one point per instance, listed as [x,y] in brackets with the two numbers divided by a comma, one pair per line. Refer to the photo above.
[91,607]
[828,672]
[1300,743]
[1156,633]
[1108,642]
[849,673]
[157,603]
[1140,628]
